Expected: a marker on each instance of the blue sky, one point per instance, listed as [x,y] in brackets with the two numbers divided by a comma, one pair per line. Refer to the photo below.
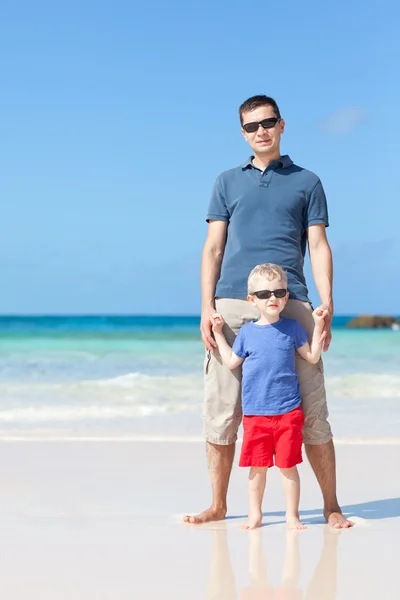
[117,117]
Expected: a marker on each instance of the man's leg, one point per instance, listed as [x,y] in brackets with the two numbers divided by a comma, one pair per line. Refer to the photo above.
[220,460]
[322,460]
[222,410]
[317,433]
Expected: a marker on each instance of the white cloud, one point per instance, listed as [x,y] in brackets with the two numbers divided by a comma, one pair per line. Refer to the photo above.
[345,119]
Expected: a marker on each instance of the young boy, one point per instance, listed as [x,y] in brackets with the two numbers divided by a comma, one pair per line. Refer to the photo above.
[273,419]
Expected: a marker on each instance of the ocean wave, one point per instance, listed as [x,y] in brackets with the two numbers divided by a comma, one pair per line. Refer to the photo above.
[355,385]
[131,387]
[140,395]
[67,413]
[364,385]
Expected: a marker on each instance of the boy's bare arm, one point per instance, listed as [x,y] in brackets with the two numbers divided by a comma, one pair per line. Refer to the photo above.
[311,352]
[230,359]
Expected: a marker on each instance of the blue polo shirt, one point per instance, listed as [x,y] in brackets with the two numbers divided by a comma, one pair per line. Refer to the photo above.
[268,213]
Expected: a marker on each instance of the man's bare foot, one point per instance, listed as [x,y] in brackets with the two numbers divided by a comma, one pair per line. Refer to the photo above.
[337,521]
[211,514]
[255,521]
[294,523]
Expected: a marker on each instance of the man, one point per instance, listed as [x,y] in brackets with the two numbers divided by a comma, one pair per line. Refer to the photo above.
[266,210]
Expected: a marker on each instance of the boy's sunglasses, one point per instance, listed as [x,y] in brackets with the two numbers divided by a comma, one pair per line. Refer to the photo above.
[265,294]
[265,123]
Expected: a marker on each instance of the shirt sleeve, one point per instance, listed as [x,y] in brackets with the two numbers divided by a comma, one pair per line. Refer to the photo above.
[300,335]
[316,210]
[217,210]
[239,345]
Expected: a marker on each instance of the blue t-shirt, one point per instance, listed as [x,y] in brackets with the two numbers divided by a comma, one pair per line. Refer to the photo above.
[270,385]
[268,213]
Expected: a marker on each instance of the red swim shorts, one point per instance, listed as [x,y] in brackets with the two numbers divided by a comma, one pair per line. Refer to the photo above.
[266,437]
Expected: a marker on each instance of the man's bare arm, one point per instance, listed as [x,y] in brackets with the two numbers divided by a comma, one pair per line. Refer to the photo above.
[322,268]
[212,256]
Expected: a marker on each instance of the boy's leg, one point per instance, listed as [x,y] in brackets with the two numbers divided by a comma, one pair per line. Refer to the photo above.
[258,454]
[222,412]
[288,443]
[317,433]
[257,479]
[291,487]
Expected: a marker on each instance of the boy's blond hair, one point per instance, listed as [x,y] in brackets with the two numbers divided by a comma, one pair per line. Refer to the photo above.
[267,271]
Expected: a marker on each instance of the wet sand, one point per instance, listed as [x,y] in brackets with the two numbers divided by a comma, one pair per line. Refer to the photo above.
[102,520]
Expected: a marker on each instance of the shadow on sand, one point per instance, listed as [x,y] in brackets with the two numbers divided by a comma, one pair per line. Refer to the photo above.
[375,509]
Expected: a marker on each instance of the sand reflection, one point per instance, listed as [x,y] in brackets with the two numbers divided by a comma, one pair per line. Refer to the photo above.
[322,585]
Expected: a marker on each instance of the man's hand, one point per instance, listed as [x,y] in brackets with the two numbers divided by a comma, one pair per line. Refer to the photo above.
[326,336]
[205,328]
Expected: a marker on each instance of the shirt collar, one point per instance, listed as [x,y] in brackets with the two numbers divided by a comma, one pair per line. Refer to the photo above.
[284,162]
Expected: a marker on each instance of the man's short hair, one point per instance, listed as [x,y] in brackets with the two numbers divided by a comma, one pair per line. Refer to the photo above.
[267,271]
[257,101]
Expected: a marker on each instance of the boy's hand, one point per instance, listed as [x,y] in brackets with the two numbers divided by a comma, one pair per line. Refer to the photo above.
[326,335]
[319,315]
[217,322]
[206,327]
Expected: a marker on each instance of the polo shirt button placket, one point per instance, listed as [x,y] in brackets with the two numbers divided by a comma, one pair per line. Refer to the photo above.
[266,178]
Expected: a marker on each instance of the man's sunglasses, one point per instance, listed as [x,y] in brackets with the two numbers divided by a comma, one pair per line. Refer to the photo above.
[265,294]
[265,123]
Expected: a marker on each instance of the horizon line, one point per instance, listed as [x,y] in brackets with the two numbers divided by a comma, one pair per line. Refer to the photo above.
[160,315]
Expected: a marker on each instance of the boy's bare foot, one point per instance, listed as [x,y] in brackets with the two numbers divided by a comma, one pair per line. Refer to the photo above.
[336,520]
[211,514]
[294,523]
[254,522]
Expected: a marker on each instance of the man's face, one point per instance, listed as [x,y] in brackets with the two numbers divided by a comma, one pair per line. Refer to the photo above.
[263,142]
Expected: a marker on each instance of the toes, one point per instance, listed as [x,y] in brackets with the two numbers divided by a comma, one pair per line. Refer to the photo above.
[190,519]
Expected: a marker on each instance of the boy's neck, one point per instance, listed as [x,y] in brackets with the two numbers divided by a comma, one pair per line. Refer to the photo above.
[267,320]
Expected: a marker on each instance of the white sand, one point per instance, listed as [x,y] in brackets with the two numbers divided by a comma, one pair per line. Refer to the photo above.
[93,520]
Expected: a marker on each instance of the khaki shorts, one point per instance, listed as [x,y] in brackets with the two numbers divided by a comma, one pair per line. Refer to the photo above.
[222,404]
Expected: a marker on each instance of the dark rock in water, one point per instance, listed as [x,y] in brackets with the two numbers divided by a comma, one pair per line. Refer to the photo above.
[374,322]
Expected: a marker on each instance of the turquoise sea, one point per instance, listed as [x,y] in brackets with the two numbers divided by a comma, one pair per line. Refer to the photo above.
[120,377]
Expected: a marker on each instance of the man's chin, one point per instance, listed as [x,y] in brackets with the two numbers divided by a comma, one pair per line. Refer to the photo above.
[264,150]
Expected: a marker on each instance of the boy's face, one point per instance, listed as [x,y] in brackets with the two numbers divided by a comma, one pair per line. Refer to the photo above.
[271,306]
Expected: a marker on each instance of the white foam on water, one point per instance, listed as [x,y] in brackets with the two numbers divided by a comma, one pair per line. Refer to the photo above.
[48,437]
[364,385]
[133,385]
[37,414]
